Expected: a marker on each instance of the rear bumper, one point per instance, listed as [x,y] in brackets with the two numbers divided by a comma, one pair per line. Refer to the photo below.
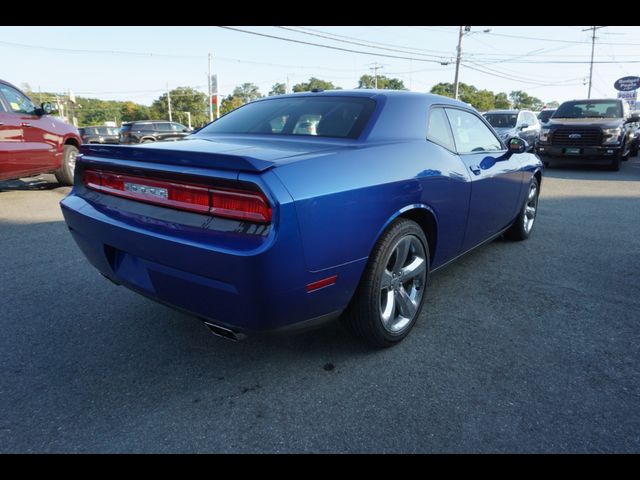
[587,153]
[247,285]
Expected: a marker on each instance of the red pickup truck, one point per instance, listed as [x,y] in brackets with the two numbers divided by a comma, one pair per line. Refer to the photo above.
[33,142]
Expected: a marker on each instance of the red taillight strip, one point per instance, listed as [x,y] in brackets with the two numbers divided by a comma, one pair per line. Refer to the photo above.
[325,282]
[229,203]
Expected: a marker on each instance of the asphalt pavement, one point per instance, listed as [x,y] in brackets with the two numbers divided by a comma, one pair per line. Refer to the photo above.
[522,347]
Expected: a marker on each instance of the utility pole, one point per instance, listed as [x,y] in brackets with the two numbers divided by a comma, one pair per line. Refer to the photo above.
[209,101]
[286,90]
[169,102]
[593,47]
[375,69]
[189,118]
[217,94]
[458,57]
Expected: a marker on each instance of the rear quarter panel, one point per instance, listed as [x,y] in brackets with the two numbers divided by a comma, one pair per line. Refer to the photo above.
[344,200]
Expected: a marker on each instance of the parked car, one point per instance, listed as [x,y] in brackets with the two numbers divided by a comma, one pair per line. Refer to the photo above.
[253,227]
[99,134]
[32,141]
[545,115]
[152,131]
[515,123]
[589,131]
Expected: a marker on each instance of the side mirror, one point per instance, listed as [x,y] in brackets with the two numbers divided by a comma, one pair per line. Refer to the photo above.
[45,109]
[523,126]
[633,119]
[517,145]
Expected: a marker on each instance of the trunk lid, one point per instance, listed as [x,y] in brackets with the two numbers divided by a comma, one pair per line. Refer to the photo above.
[225,153]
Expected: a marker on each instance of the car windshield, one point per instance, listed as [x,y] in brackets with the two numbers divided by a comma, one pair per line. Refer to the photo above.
[502,120]
[590,109]
[342,117]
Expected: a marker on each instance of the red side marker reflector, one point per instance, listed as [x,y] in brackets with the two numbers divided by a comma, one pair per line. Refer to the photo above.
[325,282]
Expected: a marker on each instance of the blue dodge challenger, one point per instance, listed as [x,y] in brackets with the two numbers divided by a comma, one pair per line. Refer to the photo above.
[297,209]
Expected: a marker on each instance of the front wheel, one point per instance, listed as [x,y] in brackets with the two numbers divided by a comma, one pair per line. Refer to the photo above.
[614,166]
[390,295]
[521,228]
[64,174]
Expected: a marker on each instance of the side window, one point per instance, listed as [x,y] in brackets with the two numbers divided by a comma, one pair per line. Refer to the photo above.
[17,102]
[438,130]
[176,127]
[163,127]
[2,109]
[470,133]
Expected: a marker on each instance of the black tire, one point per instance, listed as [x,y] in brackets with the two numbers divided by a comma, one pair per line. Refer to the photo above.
[363,316]
[634,151]
[64,174]
[518,230]
[614,166]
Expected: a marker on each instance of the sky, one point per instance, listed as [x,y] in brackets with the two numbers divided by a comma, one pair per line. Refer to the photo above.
[139,63]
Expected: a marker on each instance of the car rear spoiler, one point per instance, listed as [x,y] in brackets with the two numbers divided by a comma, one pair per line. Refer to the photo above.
[179,153]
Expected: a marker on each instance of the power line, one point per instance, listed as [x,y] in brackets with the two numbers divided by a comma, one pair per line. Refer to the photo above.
[361,41]
[329,46]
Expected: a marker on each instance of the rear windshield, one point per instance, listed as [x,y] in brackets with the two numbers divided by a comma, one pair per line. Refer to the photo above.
[107,130]
[590,109]
[342,117]
[502,120]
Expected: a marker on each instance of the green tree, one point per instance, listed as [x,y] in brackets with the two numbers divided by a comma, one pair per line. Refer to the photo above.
[552,104]
[466,93]
[368,81]
[183,99]
[230,103]
[247,92]
[278,89]
[130,112]
[502,101]
[484,101]
[523,101]
[314,83]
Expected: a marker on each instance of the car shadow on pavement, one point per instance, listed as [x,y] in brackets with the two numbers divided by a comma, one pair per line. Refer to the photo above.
[41,182]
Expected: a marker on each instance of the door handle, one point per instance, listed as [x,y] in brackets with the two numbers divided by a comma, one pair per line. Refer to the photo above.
[25,124]
[475,169]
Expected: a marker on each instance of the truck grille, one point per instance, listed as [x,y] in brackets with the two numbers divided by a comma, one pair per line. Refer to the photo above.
[588,136]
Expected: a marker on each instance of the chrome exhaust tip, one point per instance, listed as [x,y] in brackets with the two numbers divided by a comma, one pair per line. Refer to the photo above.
[223,332]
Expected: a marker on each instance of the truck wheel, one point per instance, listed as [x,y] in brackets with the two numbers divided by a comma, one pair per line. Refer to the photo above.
[64,174]
[615,163]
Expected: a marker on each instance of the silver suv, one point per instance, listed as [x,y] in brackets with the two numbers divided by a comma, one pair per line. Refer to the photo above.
[515,123]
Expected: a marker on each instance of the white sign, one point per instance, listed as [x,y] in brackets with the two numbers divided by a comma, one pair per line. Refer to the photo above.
[630,97]
[214,84]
